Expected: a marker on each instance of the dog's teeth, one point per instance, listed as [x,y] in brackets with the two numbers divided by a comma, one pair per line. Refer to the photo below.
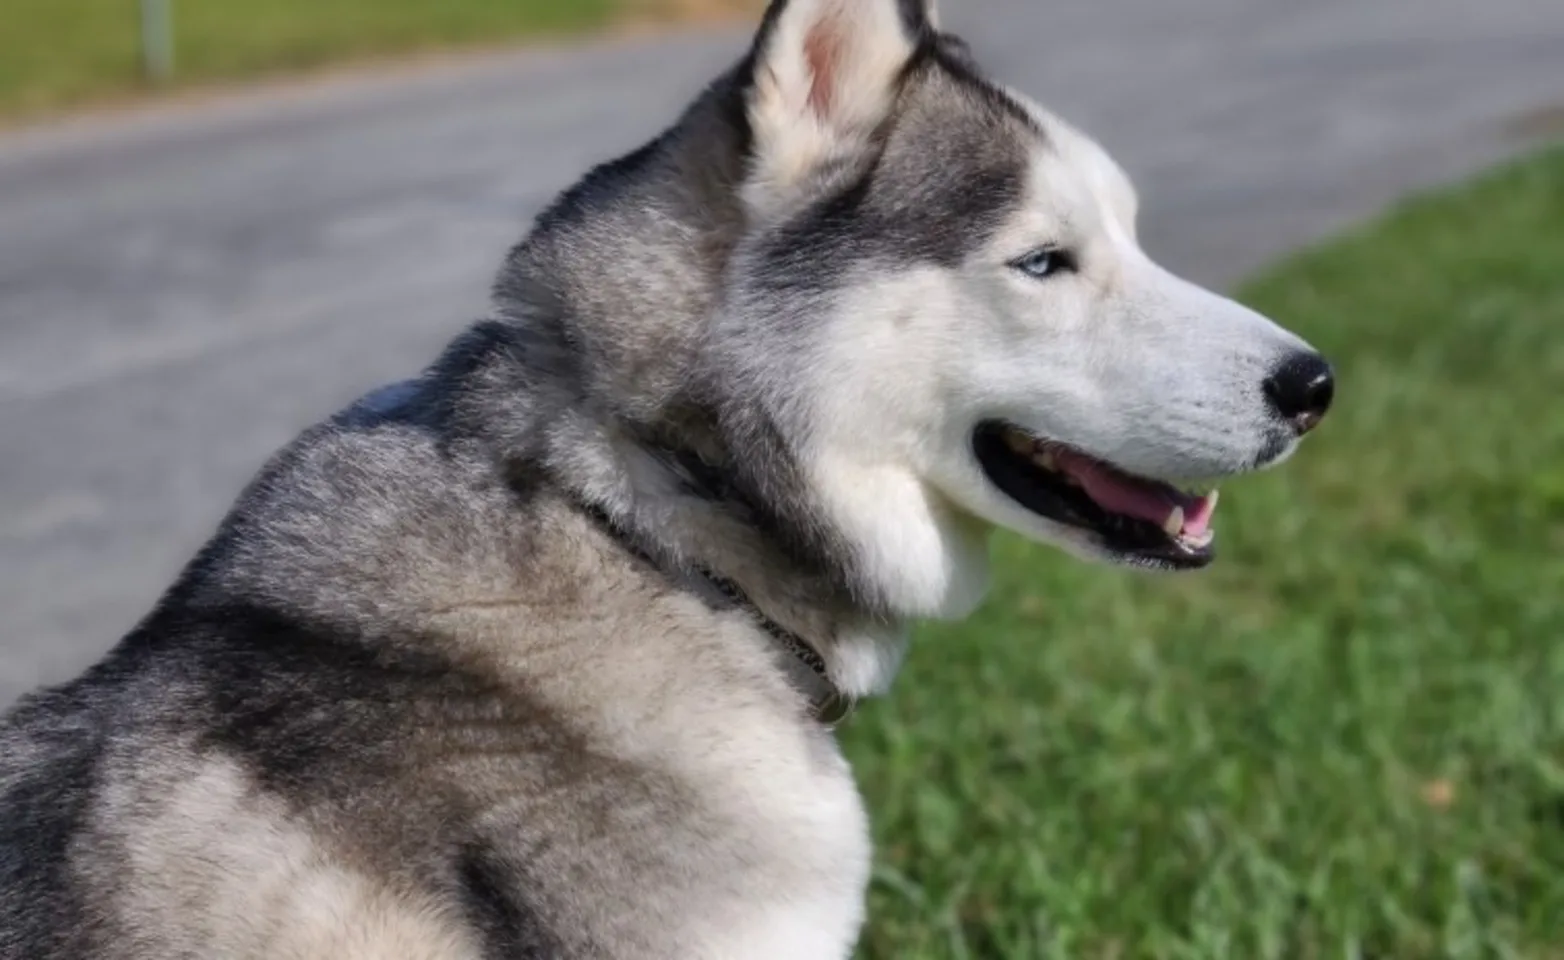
[1174,524]
[1211,500]
[1018,442]
[1203,539]
[1046,459]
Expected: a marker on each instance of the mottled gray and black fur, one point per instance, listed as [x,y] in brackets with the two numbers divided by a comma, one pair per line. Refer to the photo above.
[450,680]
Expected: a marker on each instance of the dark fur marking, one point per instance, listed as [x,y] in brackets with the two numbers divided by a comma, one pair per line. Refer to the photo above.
[954,57]
[291,698]
[403,402]
[509,927]
[897,222]
[42,912]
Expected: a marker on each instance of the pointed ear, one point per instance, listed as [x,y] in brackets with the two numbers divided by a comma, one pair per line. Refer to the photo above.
[825,77]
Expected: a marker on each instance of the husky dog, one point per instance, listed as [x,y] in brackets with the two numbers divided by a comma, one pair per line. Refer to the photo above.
[538,654]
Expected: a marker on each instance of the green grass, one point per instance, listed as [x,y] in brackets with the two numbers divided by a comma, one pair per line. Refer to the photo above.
[1344,740]
[55,53]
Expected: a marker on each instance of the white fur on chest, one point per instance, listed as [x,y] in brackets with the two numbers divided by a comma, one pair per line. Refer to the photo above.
[781,866]
[803,893]
[755,844]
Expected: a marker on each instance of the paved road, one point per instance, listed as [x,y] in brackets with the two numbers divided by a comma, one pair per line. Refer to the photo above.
[181,291]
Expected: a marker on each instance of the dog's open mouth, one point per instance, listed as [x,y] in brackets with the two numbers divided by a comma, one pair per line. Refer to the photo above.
[1143,521]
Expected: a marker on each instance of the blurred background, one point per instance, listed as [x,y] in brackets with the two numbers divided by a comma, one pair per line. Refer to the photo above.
[220,221]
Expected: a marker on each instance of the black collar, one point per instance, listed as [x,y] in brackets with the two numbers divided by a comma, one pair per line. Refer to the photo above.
[830,706]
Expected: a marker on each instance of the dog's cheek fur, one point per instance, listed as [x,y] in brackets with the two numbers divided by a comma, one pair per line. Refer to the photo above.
[884,424]
[833,314]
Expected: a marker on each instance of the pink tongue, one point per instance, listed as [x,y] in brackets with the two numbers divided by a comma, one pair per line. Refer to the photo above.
[1117,493]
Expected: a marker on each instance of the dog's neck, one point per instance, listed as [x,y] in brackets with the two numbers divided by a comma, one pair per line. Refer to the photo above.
[513,388]
[678,507]
[575,365]
[809,669]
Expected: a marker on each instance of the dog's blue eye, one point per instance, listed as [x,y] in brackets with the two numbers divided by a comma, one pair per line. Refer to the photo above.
[1043,263]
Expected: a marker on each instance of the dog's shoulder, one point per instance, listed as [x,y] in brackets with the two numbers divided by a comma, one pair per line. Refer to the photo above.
[372,516]
[279,682]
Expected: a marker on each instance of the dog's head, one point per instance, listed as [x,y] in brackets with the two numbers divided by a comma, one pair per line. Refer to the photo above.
[939,307]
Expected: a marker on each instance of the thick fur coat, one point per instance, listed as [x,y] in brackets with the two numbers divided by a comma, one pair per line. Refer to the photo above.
[488,665]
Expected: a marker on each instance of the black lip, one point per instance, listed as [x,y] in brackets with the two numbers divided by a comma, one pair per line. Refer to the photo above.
[1276,444]
[1129,540]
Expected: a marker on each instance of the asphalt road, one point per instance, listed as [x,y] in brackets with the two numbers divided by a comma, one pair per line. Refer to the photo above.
[182,290]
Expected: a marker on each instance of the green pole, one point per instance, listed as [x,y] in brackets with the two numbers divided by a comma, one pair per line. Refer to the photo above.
[157,39]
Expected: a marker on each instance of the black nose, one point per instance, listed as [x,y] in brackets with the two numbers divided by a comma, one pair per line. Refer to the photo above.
[1301,389]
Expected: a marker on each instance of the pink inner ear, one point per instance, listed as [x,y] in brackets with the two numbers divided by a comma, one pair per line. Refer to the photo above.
[822,51]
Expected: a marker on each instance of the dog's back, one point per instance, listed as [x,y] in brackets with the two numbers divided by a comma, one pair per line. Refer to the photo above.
[365,723]
[263,766]
[243,778]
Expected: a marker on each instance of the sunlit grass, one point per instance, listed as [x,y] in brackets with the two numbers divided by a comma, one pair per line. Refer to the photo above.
[55,53]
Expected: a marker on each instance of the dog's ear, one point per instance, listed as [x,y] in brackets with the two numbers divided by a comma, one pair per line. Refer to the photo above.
[825,78]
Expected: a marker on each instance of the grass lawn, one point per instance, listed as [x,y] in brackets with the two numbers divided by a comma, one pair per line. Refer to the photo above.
[1344,740]
[55,53]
